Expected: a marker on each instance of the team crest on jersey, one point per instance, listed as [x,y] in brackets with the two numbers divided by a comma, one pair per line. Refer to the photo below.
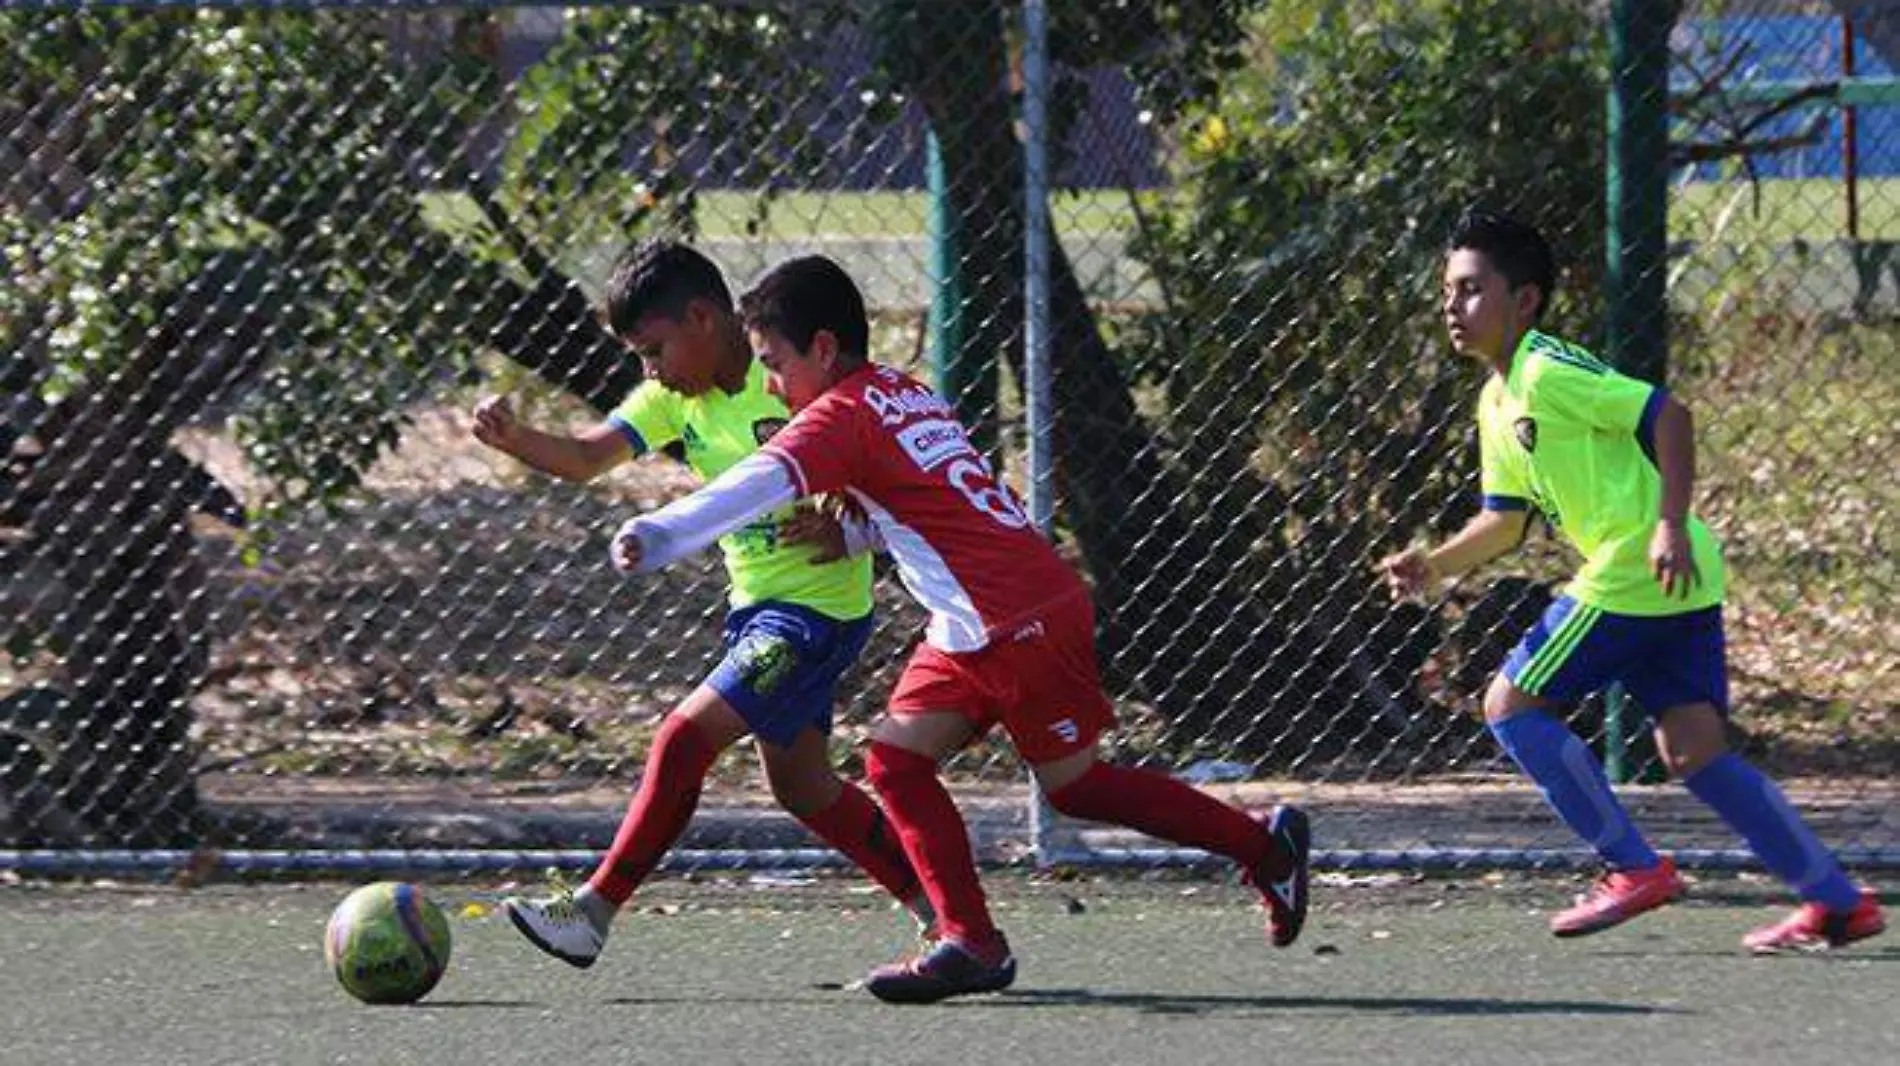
[1526,429]
[764,428]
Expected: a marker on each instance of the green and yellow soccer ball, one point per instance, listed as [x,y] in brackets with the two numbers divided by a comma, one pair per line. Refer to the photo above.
[387,944]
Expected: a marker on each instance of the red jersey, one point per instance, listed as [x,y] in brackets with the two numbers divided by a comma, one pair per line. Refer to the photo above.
[963,545]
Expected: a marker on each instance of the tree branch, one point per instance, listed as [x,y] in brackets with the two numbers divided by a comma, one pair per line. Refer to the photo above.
[1709,85]
[1707,151]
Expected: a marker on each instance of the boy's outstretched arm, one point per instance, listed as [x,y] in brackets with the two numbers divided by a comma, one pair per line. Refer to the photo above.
[1414,571]
[754,486]
[581,457]
[1670,557]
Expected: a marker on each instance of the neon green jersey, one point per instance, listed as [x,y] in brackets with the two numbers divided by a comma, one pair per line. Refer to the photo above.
[718,429]
[1568,435]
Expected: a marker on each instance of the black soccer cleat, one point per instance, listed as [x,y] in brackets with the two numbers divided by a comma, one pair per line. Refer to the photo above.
[947,969]
[1286,897]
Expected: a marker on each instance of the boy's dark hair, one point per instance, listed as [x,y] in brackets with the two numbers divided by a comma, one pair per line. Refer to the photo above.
[661,277]
[1515,248]
[801,296]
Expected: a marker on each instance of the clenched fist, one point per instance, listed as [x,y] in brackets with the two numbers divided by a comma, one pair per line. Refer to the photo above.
[495,423]
[626,550]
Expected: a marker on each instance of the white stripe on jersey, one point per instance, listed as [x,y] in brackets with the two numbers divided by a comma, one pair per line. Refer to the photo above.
[799,481]
[955,623]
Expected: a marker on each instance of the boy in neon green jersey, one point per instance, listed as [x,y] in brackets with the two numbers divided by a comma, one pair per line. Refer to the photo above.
[1610,461]
[801,604]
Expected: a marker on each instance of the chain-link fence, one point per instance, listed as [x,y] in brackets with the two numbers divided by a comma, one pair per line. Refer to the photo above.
[264,594]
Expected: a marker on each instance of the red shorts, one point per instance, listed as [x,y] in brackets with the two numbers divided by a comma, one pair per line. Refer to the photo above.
[1040,681]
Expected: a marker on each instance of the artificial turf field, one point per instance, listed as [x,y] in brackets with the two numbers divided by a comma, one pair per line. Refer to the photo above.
[1113,970]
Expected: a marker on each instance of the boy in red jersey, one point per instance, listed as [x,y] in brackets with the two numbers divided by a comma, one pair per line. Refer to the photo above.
[1011,633]
[794,627]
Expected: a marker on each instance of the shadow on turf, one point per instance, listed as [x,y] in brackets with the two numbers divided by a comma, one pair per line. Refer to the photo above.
[1840,957]
[464,1004]
[1167,1004]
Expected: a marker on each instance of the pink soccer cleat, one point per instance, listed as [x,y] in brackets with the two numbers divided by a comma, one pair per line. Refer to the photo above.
[1619,896]
[1813,927]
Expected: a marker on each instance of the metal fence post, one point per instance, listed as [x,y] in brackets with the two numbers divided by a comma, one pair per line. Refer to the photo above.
[970,388]
[1036,333]
[1637,187]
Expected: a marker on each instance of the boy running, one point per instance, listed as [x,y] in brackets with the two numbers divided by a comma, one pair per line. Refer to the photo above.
[1610,461]
[1011,633]
[796,624]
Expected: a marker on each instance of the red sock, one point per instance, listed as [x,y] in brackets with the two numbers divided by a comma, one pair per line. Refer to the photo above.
[856,827]
[669,792]
[936,840]
[1163,807]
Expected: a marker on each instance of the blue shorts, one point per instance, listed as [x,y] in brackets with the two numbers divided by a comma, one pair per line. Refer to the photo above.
[1663,662]
[782,667]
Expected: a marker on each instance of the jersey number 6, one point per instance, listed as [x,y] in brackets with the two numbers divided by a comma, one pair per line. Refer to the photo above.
[972,478]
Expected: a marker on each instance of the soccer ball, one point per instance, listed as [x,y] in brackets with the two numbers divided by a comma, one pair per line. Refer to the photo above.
[387,944]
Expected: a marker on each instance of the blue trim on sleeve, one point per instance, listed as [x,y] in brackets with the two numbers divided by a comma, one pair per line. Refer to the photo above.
[1506,503]
[634,439]
[1646,426]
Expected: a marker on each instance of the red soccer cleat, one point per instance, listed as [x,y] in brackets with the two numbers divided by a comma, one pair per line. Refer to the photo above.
[1619,896]
[1813,927]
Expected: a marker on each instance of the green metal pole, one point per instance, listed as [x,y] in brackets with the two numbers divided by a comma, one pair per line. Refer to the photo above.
[946,303]
[1616,746]
[970,388]
[1637,333]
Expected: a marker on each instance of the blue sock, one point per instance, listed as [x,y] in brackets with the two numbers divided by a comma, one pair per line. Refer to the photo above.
[1757,810]
[1575,787]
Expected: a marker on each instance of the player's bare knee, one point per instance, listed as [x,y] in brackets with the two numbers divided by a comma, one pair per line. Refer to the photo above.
[1502,700]
[715,720]
[796,801]
[1056,775]
[1690,738]
[1680,764]
[802,792]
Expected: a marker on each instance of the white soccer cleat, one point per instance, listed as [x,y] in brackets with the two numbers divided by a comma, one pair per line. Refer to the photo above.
[558,926]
